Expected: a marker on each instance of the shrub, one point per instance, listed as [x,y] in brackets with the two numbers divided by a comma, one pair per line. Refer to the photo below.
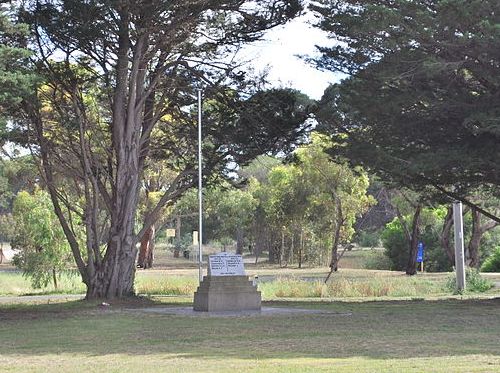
[43,251]
[396,247]
[492,263]
[474,283]
[369,239]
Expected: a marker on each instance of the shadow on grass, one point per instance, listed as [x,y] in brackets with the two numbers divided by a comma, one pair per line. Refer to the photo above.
[382,330]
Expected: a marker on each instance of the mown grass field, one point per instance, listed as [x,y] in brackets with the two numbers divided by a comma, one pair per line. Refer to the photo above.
[397,336]
[371,321]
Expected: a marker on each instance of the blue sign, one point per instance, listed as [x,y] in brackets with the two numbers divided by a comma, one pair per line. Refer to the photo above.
[420,253]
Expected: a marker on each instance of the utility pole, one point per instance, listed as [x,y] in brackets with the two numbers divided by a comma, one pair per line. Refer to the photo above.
[459,245]
[200,194]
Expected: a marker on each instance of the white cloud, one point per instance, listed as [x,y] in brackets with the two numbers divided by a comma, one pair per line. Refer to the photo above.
[280,51]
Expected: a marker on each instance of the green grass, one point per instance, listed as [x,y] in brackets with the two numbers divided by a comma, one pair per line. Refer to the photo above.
[163,284]
[403,336]
[14,283]
[359,257]
[290,283]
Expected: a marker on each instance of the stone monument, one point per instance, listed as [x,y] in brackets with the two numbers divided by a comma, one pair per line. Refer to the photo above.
[226,287]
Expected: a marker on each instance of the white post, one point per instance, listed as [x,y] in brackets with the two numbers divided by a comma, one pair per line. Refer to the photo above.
[200,194]
[459,245]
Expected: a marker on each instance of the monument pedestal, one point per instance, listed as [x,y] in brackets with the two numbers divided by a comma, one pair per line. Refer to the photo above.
[226,293]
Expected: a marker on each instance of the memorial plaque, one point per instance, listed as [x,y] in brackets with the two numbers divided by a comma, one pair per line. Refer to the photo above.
[225,264]
[226,288]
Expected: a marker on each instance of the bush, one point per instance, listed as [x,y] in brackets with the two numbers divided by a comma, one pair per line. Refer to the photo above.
[369,239]
[474,283]
[492,263]
[43,251]
[396,248]
[395,244]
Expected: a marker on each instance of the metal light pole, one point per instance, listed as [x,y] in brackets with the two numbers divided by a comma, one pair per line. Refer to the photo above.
[200,194]
[459,245]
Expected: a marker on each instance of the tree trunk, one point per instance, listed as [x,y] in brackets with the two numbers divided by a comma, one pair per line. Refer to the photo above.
[339,222]
[114,276]
[472,249]
[301,247]
[291,253]
[239,241]
[445,236]
[273,248]
[146,252]
[177,236]
[282,249]
[411,267]
[478,230]
[334,263]
[54,278]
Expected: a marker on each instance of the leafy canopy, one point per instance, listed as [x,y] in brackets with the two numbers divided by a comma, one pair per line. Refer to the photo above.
[420,105]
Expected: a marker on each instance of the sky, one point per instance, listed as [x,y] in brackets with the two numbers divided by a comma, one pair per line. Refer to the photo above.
[279,51]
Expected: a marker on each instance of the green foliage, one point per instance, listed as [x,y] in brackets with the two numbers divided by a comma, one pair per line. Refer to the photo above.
[16,78]
[8,228]
[474,283]
[396,243]
[492,263]
[259,168]
[368,239]
[16,174]
[295,202]
[419,106]
[43,249]
[313,196]
[142,57]
[185,243]
[489,244]
[228,211]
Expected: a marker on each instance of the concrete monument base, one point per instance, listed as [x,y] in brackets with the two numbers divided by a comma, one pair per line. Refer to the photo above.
[226,293]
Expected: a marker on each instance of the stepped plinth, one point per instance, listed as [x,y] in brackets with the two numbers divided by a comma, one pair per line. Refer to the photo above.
[226,288]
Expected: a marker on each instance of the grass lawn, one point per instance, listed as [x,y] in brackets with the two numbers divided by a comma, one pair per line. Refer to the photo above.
[400,332]
[398,336]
